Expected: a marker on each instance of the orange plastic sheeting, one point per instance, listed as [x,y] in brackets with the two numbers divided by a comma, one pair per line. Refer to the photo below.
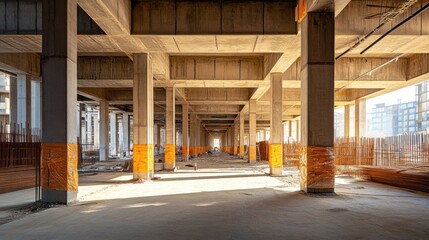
[301,10]
[317,168]
[192,150]
[235,150]
[59,166]
[170,154]
[276,155]
[252,153]
[185,151]
[143,160]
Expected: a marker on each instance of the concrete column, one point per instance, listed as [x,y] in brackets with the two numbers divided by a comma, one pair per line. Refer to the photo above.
[317,169]
[24,100]
[185,131]
[158,137]
[193,135]
[36,99]
[252,131]
[126,134]
[143,160]
[241,141]
[113,144]
[170,128]
[360,119]
[297,122]
[104,131]
[13,94]
[59,175]
[276,142]
[346,121]
[290,128]
[83,129]
[236,136]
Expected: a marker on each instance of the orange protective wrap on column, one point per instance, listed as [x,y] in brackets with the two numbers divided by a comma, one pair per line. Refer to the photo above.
[241,151]
[276,156]
[143,161]
[317,168]
[59,166]
[235,150]
[252,153]
[185,151]
[170,156]
[192,151]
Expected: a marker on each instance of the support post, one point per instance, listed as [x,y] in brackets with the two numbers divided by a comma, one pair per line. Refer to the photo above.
[126,134]
[317,170]
[170,128]
[241,135]
[360,119]
[185,131]
[143,161]
[104,131]
[113,134]
[59,157]
[276,143]
[252,131]
[346,121]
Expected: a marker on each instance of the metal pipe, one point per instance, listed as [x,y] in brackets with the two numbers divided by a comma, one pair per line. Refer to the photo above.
[420,11]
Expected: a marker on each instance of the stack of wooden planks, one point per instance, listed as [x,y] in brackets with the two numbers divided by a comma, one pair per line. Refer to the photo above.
[17,178]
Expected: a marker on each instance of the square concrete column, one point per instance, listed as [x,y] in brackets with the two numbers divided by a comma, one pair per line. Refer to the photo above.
[143,159]
[236,136]
[185,131]
[252,131]
[24,101]
[298,127]
[126,134]
[276,125]
[317,170]
[346,121]
[36,99]
[360,119]
[170,128]
[13,103]
[193,135]
[241,141]
[59,158]
[113,143]
[82,123]
[104,131]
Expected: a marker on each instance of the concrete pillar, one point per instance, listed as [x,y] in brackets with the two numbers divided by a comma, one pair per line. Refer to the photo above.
[252,131]
[193,135]
[13,94]
[241,132]
[346,121]
[290,128]
[143,160]
[360,119]
[113,145]
[59,158]
[276,142]
[104,131]
[185,131]
[126,134]
[24,100]
[236,136]
[83,129]
[297,137]
[317,169]
[158,137]
[170,128]
[36,99]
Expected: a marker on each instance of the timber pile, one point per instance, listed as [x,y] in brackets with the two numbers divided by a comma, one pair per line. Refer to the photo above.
[415,178]
[13,179]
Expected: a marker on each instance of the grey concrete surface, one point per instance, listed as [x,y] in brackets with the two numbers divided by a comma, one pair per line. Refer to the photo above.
[228,203]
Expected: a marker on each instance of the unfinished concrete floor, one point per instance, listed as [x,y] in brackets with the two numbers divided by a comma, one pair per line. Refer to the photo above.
[227,199]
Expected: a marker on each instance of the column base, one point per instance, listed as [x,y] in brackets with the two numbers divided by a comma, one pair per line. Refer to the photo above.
[58,196]
[319,190]
[276,171]
[169,166]
[143,175]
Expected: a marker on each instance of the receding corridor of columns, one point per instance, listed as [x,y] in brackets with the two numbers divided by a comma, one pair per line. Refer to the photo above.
[262,119]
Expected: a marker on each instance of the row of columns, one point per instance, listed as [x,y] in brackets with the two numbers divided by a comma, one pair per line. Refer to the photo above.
[59,145]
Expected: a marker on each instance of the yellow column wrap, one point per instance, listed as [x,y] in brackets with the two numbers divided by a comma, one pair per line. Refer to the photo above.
[242,151]
[59,166]
[276,158]
[143,162]
[235,150]
[252,153]
[170,156]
